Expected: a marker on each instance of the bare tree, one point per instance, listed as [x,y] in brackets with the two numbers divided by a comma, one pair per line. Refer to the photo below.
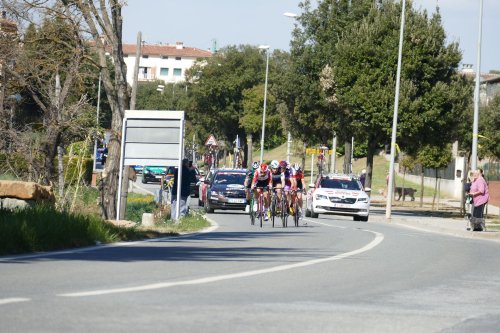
[100,23]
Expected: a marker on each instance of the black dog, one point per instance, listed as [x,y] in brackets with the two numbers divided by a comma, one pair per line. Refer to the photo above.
[408,191]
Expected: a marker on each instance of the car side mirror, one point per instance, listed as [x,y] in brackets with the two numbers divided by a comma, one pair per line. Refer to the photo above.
[311,185]
[368,190]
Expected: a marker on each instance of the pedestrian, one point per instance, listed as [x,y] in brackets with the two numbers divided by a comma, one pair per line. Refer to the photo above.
[480,196]
[186,180]
[362,177]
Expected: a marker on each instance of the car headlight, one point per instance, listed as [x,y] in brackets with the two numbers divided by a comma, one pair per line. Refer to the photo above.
[362,199]
[321,197]
[214,193]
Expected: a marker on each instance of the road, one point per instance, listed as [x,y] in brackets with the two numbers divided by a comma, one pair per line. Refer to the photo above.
[331,275]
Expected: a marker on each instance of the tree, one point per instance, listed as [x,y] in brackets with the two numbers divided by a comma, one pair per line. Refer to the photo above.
[217,92]
[489,129]
[48,70]
[100,24]
[433,97]
[433,157]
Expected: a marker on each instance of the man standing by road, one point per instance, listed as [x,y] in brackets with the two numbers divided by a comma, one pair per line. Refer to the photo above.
[186,180]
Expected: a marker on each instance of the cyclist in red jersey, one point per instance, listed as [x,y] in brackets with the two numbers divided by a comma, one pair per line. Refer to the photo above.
[262,179]
[298,183]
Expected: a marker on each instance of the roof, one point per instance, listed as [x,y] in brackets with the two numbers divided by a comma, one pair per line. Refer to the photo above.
[178,50]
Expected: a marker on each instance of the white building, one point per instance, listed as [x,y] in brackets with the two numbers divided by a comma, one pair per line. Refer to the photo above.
[162,62]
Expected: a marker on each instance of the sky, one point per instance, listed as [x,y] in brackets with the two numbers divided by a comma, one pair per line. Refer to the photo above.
[205,23]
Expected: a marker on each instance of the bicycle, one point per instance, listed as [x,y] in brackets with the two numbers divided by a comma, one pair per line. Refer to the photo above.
[284,208]
[274,205]
[260,205]
[295,207]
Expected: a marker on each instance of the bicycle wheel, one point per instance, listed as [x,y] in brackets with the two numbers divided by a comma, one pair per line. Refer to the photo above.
[296,212]
[273,207]
[284,212]
[261,209]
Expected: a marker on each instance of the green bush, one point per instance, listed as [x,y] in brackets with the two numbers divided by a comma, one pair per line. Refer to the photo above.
[43,228]
[138,204]
[13,165]
[71,170]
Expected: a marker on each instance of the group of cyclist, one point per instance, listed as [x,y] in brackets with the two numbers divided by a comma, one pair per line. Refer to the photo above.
[262,179]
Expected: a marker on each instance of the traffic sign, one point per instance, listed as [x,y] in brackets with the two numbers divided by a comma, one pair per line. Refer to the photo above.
[211,141]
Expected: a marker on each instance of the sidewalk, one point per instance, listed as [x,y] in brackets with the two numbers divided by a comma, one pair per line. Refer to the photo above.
[446,220]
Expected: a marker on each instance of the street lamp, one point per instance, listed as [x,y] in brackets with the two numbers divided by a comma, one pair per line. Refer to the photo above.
[395,116]
[264,47]
[473,157]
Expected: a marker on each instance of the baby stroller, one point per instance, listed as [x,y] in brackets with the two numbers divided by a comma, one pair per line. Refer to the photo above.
[473,223]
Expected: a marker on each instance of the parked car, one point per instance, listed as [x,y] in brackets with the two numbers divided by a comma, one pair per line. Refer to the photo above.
[138,169]
[338,194]
[153,174]
[202,189]
[225,190]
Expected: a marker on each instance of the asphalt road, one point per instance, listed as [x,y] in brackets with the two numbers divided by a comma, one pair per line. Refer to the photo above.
[331,275]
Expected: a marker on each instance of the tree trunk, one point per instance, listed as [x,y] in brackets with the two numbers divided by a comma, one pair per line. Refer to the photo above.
[347,157]
[435,187]
[371,149]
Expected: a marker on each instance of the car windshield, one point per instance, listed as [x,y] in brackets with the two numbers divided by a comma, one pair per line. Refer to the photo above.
[344,184]
[229,178]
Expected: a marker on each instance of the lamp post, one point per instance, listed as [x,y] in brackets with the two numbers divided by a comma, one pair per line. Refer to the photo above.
[475,125]
[395,116]
[264,47]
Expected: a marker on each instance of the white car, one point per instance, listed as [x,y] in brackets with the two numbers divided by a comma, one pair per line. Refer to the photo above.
[338,194]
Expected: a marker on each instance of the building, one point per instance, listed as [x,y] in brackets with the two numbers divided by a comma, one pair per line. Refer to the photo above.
[162,62]
[489,84]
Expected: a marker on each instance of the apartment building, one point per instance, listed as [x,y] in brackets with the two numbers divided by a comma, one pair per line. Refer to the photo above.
[161,61]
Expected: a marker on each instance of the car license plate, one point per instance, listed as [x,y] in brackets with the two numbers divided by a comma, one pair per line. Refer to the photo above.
[157,177]
[230,200]
[337,205]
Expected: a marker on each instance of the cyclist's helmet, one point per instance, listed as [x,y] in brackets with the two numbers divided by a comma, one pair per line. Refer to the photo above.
[263,168]
[274,164]
[297,167]
[283,165]
[255,165]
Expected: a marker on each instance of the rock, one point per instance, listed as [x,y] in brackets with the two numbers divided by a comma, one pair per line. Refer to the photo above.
[12,203]
[148,220]
[26,191]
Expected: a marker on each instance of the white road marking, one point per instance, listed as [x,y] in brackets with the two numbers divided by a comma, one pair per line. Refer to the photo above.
[325,224]
[13,300]
[376,241]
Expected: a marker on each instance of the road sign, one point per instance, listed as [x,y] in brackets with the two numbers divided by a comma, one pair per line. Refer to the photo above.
[211,141]
[317,151]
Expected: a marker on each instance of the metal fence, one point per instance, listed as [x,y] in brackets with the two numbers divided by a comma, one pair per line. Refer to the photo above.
[443,173]
[491,171]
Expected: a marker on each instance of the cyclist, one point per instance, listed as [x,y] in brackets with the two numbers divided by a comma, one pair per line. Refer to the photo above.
[276,178]
[286,180]
[262,179]
[248,183]
[298,183]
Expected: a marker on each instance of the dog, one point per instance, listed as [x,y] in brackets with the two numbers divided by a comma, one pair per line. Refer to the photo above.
[408,191]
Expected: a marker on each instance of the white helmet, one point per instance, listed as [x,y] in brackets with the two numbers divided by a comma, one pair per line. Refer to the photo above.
[274,164]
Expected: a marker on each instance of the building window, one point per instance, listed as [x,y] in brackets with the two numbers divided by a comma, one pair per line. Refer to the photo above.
[163,71]
[178,58]
[145,56]
[177,71]
[164,57]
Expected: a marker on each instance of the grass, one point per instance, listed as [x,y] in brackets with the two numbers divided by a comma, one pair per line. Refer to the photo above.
[379,173]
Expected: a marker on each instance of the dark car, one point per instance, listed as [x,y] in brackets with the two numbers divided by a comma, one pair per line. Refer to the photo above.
[153,174]
[225,190]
